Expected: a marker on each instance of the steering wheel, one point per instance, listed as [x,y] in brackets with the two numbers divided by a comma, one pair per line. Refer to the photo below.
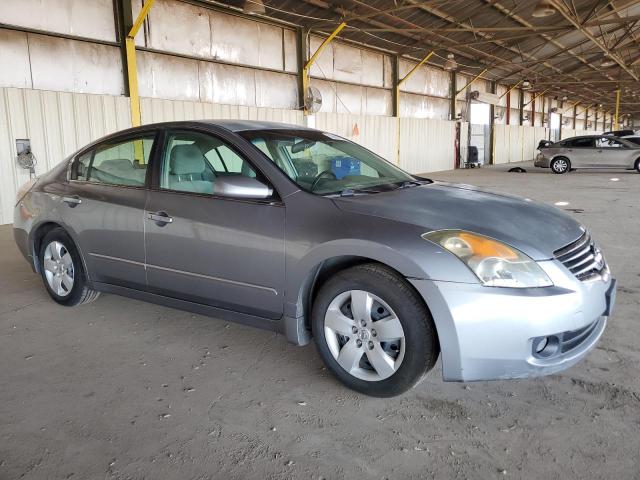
[322,174]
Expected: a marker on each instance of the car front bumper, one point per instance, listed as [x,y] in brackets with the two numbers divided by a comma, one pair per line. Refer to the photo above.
[489,333]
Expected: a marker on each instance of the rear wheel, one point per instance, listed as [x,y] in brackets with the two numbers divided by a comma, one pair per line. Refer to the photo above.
[637,165]
[373,331]
[560,165]
[62,271]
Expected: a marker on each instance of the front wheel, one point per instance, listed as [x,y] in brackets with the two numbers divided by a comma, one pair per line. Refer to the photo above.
[373,331]
[637,165]
[560,165]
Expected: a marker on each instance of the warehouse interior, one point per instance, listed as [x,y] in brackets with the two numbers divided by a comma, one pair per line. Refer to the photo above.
[119,390]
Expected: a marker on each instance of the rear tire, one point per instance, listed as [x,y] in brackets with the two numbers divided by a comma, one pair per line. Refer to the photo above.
[62,270]
[560,165]
[637,165]
[373,331]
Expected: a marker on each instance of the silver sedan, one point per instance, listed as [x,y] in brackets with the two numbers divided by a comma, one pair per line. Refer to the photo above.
[591,151]
[310,235]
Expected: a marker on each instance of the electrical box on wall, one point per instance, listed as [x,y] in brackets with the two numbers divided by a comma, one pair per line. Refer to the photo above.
[23,145]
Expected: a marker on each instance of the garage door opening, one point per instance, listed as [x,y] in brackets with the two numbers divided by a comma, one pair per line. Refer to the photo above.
[480,134]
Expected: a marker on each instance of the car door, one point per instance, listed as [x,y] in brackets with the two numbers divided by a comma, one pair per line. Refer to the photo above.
[103,205]
[582,152]
[613,153]
[210,249]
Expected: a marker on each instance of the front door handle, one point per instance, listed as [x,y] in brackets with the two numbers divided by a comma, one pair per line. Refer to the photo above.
[161,218]
[72,201]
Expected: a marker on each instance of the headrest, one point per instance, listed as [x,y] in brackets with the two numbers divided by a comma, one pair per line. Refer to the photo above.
[115,165]
[185,160]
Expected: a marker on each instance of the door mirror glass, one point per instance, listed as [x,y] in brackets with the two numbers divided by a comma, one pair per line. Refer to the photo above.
[239,186]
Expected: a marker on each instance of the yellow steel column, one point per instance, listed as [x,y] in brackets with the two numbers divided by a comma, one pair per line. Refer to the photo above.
[307,66]
[132,69]
[508,91]
[471,81]
[397,88]
[616,125]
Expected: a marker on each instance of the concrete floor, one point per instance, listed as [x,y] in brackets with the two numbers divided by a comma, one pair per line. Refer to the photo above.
[121,389]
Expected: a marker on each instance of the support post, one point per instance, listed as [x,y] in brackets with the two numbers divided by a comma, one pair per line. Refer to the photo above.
[395,80]
[575,113]
[307,66]
[521,107]
[453,89]
[302,35]
[398,82]
[492,121]
[616,124]
[132,68]
[507,117]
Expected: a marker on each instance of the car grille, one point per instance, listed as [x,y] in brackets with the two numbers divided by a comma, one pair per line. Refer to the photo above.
[582,258]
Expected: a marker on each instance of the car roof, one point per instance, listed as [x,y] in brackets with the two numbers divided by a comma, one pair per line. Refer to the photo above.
[231,125]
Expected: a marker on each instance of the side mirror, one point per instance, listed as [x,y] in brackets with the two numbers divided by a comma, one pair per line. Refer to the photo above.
[239,186]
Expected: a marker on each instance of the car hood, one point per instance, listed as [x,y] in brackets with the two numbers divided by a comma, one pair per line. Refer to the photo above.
[534,228]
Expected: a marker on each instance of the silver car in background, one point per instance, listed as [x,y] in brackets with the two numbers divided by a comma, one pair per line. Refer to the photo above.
[305,233]
[589,151]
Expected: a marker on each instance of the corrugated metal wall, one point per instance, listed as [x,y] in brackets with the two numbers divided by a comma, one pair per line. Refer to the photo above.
[514,143]
[377,133]
[427,145]
[57,123]
[156,110]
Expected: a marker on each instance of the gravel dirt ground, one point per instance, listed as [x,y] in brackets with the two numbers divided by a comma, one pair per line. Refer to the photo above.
[121,389]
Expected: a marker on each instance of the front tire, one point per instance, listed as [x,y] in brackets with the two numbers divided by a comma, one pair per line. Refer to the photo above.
[62,270]
[637,165]
[373,331]
[560,165]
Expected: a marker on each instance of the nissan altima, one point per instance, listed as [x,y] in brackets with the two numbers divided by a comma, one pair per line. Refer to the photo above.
[305,233]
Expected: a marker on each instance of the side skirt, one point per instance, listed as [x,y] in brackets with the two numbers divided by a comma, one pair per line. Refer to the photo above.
[220,313]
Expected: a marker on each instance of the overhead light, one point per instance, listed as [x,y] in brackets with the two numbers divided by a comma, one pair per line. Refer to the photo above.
[526,85]
[565,98]
[607,61]
[450,64]
[253,7]
[543,9]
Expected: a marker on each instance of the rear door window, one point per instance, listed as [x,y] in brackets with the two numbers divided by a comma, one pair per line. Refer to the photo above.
[583,143]
[122,162]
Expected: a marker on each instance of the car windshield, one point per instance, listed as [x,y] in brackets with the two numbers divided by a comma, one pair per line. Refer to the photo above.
[323,163]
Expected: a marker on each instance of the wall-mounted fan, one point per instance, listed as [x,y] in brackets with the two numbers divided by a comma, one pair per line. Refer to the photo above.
[312,100]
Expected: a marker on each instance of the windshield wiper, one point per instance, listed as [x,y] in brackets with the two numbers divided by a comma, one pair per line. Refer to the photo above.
[349,192]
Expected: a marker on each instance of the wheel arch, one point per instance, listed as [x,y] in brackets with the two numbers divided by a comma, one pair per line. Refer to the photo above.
[40,231]
[320,270]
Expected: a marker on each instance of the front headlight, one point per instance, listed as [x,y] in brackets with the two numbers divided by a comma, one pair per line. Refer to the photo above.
[493,262]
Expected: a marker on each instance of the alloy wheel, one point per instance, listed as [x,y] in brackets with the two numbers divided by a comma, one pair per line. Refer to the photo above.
[364,335]
[58,268]
[560,165]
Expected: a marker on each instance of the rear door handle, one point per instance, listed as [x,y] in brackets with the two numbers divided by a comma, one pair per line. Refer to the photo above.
[161,218]
[72,201]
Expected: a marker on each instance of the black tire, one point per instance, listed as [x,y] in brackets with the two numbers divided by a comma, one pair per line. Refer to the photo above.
[421,347]
[560,165]
[80,292]
[637,165]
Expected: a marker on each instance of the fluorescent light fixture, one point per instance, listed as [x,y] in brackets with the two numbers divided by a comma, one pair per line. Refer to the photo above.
[253,7]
